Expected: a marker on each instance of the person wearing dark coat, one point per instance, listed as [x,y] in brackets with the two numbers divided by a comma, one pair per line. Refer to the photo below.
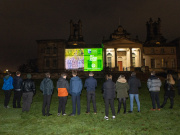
[122,88]
[75,91]
[17,83]
[28,89]
[109,94]
[134,84]
[46,87]
[63,88]
[91,84]
[169,91]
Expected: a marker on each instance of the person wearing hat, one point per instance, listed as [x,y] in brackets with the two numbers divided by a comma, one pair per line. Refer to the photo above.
[28,89]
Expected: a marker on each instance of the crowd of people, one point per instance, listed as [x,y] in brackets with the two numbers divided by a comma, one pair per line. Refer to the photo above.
[120,89]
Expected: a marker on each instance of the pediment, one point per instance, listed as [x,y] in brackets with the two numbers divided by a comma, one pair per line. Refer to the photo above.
[123,42]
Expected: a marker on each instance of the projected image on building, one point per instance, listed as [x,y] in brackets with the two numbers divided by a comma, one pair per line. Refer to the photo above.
[87,59]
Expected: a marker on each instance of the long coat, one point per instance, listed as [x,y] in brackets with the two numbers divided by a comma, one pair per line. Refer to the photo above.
[122,88]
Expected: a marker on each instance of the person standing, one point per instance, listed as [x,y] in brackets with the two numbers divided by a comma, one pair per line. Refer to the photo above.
[122,88]
[46,87]
[154,84]
[134,84]
[109,95]
[169,91]
[28,89]
[91,84]
[17,83]
[75,91]
[7,87]
[63,88]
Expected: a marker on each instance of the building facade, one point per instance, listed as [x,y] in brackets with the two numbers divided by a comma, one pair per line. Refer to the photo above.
[120,52]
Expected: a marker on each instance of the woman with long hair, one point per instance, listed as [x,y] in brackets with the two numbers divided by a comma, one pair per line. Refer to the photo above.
[169,90]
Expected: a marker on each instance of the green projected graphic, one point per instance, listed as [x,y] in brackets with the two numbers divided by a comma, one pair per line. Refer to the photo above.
[87,59]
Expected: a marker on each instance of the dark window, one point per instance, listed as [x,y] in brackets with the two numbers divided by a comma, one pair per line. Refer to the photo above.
[162,50]
[48,50]
[152,63]
[54,50]
[47,63]
[143,62]
[55,63]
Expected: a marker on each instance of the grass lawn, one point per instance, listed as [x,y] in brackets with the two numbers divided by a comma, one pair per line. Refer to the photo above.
[147,122]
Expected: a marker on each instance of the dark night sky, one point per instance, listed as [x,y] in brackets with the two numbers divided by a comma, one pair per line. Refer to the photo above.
[22,22]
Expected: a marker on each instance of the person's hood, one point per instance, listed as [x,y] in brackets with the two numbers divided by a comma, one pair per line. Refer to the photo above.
[75,78]
[122,80]
[6,77]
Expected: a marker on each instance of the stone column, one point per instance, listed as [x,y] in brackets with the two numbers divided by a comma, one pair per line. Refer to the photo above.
[115,49]
[130,49]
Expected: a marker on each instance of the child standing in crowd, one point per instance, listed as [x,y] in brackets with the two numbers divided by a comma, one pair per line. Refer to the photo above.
[169,91]
[109,95]
[122,88]
[28,89]
[7,87]
[75,91]
[63,88]
[91,84]
[46,87]
[154,84]
[17,90]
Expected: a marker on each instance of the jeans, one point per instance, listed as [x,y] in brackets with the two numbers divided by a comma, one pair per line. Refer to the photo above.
[76,100]
[91,95]
[27,100]
[17,98]
[46,104]
[62,104]
[111,102]
[155,99]
[7,94]
[132,96]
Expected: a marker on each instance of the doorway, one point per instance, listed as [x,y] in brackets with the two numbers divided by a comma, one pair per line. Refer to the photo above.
[120,65]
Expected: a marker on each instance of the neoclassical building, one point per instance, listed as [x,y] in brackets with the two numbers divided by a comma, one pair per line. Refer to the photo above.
[120,52]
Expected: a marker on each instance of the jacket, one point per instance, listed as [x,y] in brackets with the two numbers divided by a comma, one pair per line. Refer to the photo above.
[8,83]
[122,88]
[28,86]
[109,89]
[47,86]
[75,86]
[62,87]
[90,84]
[134,84]
[17,83]
[154,83]
[169,89]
